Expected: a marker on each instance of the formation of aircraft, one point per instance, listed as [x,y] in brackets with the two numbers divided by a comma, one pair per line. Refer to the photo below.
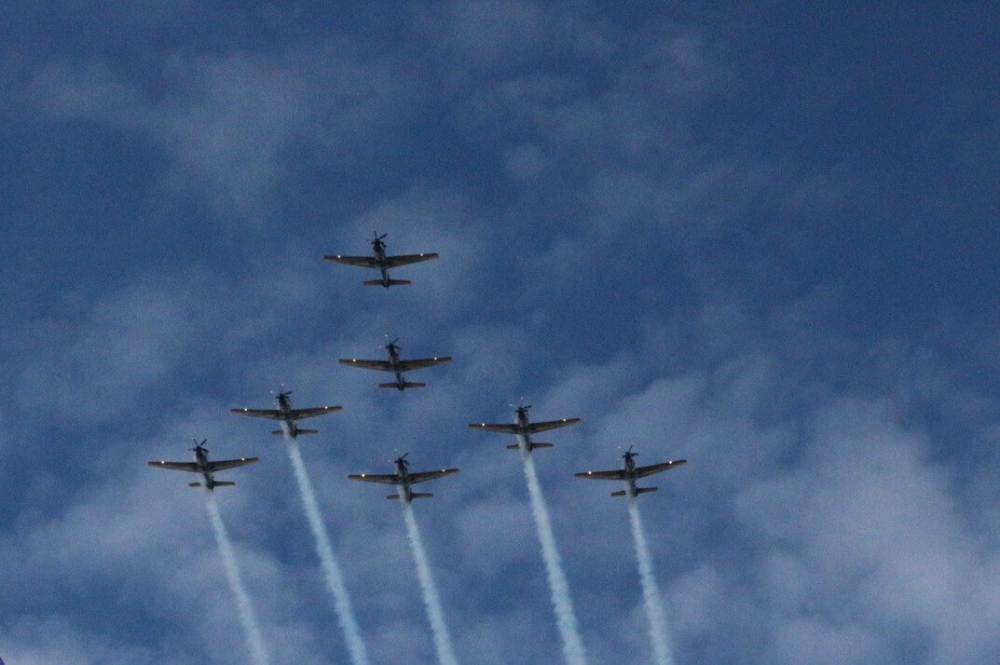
[206,468]
[396,365]
[382,262]
[403,479]
[524,429]
[630,473]
[287,416]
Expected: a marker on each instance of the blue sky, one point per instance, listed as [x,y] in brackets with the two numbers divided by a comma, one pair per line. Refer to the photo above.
[761,238]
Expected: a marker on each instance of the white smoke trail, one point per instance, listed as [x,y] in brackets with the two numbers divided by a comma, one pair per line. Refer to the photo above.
[442,640]
[650,592]
[565,617]
[331,569]
[255,642]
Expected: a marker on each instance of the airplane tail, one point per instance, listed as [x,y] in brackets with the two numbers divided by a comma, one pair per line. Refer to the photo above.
[406,384]
[223,483]
[531,446]
[391,282]
[638,491]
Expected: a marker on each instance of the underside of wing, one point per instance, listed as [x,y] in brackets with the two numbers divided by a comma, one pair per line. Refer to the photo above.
[603,475]
[406,259]
[362,261]
[410,365]
[495,427]
[222,465]
[533,428]
[299,414]
[176,466]
[381,365]
[656,468]
[430,475]
[271,414]
[385,479]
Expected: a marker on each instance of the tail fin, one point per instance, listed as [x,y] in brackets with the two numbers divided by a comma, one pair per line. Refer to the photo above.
[406,384]
[391,282]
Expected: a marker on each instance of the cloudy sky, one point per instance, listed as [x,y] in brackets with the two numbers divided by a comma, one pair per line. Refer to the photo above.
[762,238]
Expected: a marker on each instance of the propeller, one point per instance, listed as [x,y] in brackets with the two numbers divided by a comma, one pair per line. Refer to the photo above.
[377,242]
[521,407]
[199,446]
[629,454]
[401,460]
[392,344]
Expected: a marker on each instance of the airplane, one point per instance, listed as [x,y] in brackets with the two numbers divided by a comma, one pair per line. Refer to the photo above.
[630,473]
[204,467]
[397,366]
[403,479]
[382,262]
[523,429]
[287,416]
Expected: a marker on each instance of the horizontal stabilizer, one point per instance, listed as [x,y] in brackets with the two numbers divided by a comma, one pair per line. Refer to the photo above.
[531,446]
[392,282]
[638,491]
[194,484]
[224,483]
[278,432]
[413,495]
[406,384]
[307,431]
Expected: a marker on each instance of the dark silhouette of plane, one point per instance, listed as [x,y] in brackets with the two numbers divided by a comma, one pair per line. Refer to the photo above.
[382,262]
[403,479]
[630,473]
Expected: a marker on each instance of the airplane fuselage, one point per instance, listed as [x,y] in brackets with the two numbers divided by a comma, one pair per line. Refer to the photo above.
[201,459]
[381,263]
[397,368]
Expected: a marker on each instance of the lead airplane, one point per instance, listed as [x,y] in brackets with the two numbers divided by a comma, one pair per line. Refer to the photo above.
[396,366]
[382,262]
[630,473]
[524,429]
[403,479]
[287,416]
[204,467]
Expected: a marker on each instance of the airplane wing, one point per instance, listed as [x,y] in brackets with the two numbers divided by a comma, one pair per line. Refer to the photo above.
[272,414]
[551,424]
[409,365]
[176,466]
[362,261]
[643,471]
[618,474]
[384,478]
[381,365]
[406,259]
[491,427]
[222,465]
[430,475]
[299,414]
